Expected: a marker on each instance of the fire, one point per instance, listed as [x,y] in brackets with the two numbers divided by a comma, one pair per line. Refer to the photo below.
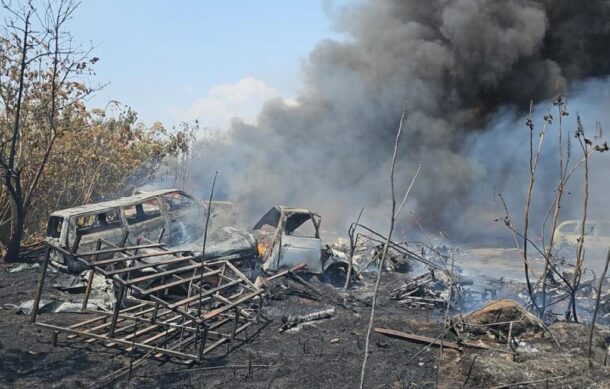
[262,249]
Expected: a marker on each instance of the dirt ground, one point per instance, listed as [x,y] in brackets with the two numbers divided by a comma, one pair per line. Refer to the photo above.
[322,354]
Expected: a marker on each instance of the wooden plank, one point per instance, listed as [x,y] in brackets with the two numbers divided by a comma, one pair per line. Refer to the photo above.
[437,342]
[418,338]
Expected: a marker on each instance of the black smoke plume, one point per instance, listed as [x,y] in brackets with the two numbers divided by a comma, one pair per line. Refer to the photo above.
[456,63]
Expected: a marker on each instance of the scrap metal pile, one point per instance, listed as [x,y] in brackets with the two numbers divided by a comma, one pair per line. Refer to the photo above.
[367,249]
[425,291]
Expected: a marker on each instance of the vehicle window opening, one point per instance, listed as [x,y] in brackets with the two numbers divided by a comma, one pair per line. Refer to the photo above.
[54,226]
[177,201]
[96,222]
[140,212]
[306,229]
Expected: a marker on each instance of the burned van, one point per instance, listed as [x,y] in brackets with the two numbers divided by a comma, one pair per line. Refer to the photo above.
[168,216]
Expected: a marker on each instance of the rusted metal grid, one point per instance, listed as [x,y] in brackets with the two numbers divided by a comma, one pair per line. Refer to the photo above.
[168,301]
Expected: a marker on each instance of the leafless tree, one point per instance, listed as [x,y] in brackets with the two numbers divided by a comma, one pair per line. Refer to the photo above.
[393,215]
[548,251]
[585,145]
[42,53]
[564,160]
[533,165]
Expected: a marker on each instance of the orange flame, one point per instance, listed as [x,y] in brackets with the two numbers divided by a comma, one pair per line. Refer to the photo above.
[262,249]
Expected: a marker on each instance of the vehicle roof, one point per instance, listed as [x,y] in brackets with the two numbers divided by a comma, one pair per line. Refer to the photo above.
[121,202]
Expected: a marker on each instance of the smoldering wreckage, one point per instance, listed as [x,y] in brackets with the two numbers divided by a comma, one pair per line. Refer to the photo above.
[145,278]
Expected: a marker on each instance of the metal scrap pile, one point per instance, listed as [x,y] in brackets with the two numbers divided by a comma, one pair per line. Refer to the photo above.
[425,291]
[368,251]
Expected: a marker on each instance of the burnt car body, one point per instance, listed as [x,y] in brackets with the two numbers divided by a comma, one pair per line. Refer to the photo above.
[288,237]
[168,216]
[596,241]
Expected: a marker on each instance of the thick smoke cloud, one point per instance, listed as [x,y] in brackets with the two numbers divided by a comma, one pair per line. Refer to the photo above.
[458,64]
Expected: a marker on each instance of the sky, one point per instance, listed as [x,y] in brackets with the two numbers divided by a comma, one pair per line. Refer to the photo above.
[213,60]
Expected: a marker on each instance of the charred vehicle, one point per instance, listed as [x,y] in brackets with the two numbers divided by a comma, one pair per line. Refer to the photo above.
[168,216]
[597,233]
[596,240]
[287,237]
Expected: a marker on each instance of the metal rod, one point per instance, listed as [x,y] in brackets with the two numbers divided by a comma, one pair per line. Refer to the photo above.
[202,343]
[134,257]
[98,245]
[76,243]
[205,294]
[123,241]
[236,323]
[43,274]
[155,312]
[205,238]
[121,249]
[220,310]
[171,272]
[178,282]
[117,308]
[259,309]
[161,235]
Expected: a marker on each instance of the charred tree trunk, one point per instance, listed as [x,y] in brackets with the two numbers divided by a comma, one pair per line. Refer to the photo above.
[17,220]
[12,174]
